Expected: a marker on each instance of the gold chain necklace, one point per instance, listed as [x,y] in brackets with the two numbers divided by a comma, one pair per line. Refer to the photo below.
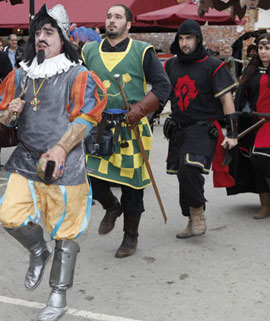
[35,101]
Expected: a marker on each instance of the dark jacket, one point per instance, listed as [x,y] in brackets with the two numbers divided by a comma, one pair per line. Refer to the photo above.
[18,55]
[5,65]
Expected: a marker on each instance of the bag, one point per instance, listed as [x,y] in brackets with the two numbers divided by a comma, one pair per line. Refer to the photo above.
[212,130]
[169,128]
[99,142]
[8,136]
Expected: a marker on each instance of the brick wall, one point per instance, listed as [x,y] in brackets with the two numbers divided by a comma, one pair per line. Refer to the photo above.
[217,38]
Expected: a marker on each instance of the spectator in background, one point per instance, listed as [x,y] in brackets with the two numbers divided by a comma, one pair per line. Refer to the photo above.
[97,30]
[1,45]
[15,52]
[21,43]
[251,51]
[5,65]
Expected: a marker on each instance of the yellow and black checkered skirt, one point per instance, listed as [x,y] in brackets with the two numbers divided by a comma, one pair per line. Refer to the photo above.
[126,165]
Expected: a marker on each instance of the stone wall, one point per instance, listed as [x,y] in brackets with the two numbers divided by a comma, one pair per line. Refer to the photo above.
[217,38]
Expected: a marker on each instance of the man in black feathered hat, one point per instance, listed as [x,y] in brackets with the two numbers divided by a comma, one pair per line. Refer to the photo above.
[200,96]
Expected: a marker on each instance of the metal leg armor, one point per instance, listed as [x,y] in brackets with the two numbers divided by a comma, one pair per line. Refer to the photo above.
[61,278]
[31,237]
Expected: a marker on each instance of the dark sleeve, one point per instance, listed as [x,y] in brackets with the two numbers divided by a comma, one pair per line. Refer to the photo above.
[241,101]
[156,76]
[222,80]
[19,56]
[5,65]
[167,67]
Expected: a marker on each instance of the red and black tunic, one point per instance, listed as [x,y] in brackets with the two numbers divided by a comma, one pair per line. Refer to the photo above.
[195,99]
[196,89]
[251,163]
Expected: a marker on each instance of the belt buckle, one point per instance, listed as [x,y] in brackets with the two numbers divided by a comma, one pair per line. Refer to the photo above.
[96,149]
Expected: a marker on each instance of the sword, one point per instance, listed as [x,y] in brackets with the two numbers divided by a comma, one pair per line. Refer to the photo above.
[138,138]
[228,156]
[254,114]
[21,96]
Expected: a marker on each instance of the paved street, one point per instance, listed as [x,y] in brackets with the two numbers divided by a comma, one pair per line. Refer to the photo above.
[221,276]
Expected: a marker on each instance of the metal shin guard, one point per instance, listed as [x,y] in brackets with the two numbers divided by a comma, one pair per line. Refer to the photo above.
[31,237]
[62,272]
[61,278]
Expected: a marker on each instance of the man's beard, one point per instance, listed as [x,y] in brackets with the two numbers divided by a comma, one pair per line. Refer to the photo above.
[111,34]
[40,56]
[117,33]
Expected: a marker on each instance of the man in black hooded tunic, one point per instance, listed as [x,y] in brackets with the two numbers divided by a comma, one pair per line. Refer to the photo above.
[201,95]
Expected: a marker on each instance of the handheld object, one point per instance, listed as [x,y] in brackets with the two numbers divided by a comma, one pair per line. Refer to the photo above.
[138,138]
[46,175]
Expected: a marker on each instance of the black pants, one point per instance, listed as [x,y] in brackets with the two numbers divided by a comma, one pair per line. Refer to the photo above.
[191,152]
[262,171]
[131,198]
[191,186]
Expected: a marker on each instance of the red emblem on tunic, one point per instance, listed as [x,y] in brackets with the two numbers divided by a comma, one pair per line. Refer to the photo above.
[186,90]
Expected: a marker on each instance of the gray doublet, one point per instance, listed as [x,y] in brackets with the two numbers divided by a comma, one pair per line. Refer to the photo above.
[40,130]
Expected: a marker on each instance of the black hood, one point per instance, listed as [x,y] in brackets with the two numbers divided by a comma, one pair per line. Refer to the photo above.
[189,27]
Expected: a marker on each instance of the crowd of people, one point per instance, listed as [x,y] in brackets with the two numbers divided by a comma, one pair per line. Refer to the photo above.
[83,128]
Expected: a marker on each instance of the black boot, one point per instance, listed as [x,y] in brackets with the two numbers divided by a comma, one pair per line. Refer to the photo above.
[108,221]
[130,240]
[61,278]
[31,237]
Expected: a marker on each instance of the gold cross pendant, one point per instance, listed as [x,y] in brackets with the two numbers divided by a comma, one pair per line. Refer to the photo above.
[34,102]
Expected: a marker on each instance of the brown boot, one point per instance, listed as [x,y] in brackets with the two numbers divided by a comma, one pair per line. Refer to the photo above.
[127,247]
[265,206]
[187,232]
[108,221]
[198,226]
[130,240]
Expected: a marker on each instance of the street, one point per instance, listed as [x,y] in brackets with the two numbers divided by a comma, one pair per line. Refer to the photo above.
[220,276]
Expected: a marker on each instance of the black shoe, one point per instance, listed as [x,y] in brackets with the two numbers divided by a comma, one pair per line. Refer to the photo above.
[128,246]
[108,221]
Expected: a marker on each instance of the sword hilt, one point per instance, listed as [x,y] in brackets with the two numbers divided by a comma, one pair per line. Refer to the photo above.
[118,80]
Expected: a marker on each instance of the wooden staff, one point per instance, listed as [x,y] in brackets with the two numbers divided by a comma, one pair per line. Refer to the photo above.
[251,128]
[138,138]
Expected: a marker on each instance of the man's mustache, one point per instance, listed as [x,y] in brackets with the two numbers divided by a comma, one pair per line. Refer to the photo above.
[43,41]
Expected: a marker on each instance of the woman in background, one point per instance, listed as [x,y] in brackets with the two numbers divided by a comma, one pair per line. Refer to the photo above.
[254,94]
